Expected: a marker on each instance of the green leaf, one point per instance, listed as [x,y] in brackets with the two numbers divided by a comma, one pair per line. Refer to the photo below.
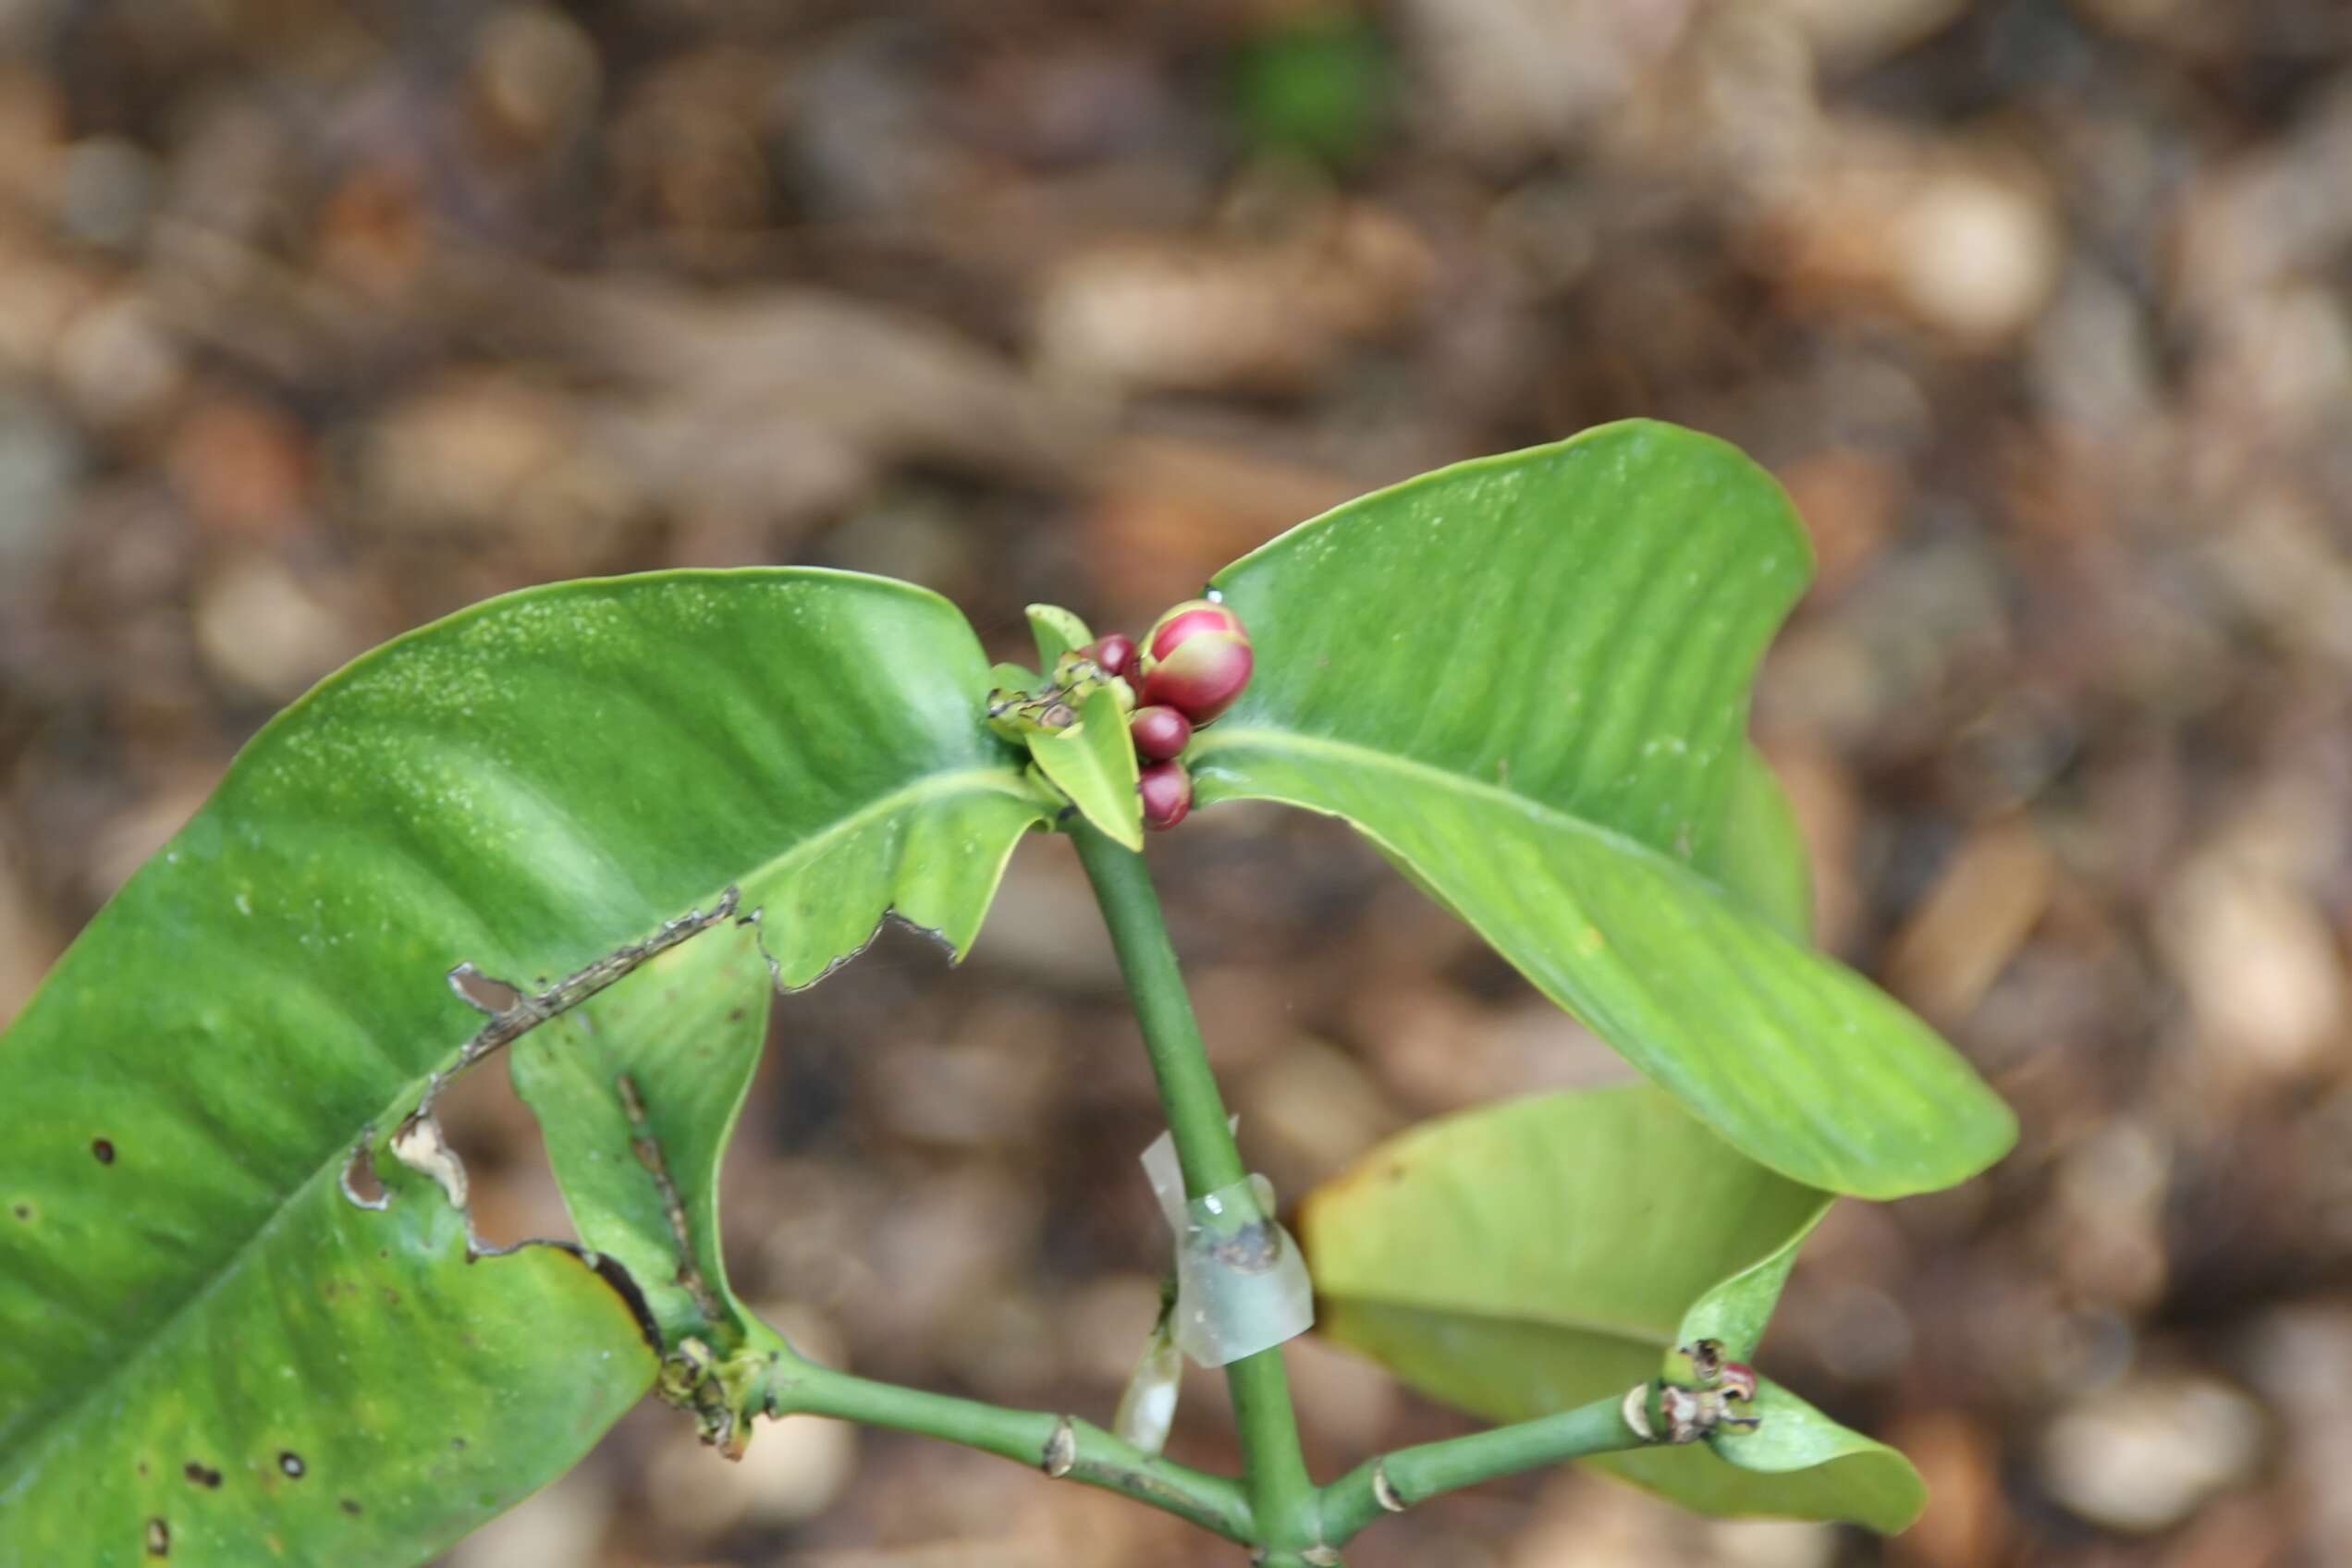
[1734,1311]
[1760,853]
[530,786]
[637,1095]
[1093,762]
[1527,678]
[1818,1468]
[1532,1256]
[1057,631]
[352,1390]
[1608,1214]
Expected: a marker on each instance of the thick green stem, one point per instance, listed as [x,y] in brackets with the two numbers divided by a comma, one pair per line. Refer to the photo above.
[1394,1482]
[1205,1148]
[1059,1445]
[1282,1498]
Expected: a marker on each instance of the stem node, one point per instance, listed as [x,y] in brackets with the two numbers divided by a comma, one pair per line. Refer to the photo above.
[1061,1449]
[1384,1490]
[1637,1411]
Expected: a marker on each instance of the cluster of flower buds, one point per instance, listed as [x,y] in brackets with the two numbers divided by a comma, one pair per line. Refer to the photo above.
[1190,668]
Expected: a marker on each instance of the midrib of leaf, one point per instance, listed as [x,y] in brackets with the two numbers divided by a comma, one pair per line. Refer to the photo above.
[1355,754]
[1283,746]
[1002,780]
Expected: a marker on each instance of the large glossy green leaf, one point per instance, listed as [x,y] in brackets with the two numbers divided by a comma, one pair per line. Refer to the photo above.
[1526,678]
[1533,1256]
[529,786]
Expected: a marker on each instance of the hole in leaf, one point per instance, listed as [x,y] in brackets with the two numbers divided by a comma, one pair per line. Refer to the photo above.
[360,1184]
[158,1538]
[492,996]
[291,1464]
[487,1122]
[489,1141]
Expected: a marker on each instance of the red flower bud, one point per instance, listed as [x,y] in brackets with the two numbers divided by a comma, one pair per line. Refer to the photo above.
[1183,621]
[1113,652]
[1160,733]
[1167,789]
[1202,676]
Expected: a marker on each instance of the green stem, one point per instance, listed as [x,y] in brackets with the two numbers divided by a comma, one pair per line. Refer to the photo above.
[1275,1506]
[1059,1445]
[1205,1148]
[1410,1474]
[1282,1497]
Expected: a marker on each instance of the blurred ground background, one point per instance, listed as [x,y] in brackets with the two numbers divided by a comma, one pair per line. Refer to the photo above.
[318,320]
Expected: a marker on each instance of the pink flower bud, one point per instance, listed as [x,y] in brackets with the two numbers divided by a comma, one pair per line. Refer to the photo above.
[1113,652]
[1183,621]
[1202,676]
[1167,789]
[1160,733]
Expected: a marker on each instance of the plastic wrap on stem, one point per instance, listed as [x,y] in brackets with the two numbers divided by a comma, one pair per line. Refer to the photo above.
[1241,1284]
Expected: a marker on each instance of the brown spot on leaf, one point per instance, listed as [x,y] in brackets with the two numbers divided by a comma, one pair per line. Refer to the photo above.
[202,1475]
[105,1149]
[350,1505]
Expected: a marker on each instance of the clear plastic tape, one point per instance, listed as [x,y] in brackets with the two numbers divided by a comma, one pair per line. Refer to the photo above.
[1241,1284]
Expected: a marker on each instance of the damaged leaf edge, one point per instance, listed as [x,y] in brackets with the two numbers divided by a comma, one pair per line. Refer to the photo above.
[418,1143]
[417,1140]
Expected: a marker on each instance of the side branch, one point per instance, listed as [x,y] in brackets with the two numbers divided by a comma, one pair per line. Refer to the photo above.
[1394,1482]
[1061,1446]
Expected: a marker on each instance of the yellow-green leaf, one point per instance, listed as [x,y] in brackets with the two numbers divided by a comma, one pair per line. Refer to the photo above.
[1533,1257]
[1093,762]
